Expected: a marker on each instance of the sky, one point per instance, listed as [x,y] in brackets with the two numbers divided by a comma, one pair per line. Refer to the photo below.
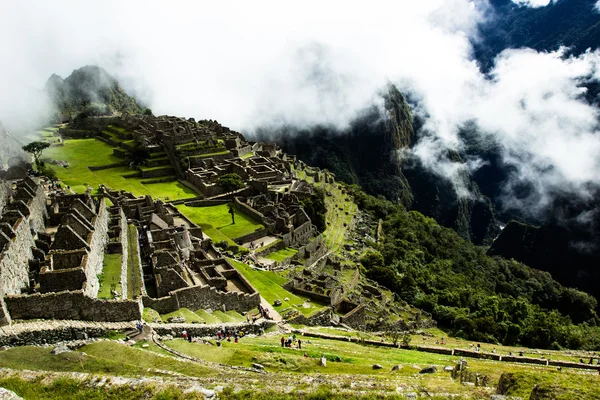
[273,63]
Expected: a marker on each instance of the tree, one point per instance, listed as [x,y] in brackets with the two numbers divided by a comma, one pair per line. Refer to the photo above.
[147,111]
[230,182]
[36,148]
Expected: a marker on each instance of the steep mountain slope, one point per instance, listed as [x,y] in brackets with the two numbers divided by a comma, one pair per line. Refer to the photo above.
[89,90]
[371,153]
[470,293]
[571,23]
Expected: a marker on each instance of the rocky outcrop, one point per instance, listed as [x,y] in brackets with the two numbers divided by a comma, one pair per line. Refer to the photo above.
[373,153]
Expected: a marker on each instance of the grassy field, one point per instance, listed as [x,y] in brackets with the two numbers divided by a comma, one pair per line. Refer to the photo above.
[111,275]
[134,283]
[216,222]
[199,316]
[282,254]
[359,359]
[81,153]
[103,357]
[269,285]
[73,389]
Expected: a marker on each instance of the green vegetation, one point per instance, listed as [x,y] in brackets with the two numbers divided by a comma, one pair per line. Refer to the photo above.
[315,208]
[36,149]
[475,296]
[282,254]
[200,316]
[340,212]
[134,275]
[216,222]
[81,153]
[72,389]
[230,182]
[111,275]
[358,360]
[104,357]
[269,285]
[88,91]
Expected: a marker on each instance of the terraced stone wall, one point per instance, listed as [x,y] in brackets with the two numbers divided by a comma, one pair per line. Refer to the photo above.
[72,305]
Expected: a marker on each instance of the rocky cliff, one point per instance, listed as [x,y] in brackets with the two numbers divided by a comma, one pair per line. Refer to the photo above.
[90,90]
[369,154]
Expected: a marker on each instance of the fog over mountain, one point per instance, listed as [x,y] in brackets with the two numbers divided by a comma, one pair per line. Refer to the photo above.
[258,64]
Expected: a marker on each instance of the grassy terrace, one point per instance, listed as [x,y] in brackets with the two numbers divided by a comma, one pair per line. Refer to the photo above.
[282,254]
[81,153]
[359,359]
[216,222]
[269,285]
[111,275]
[134,283]
[340,211]
[353,372]
[101,357]
[199,316]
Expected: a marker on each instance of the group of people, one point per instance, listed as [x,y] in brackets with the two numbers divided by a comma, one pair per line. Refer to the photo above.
[226,334]
[256,246]
[186,336]
[291,342]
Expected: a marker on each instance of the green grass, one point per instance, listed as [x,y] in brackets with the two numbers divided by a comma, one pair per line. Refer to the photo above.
[102,357]
[81,153]
[217,218]
[150,315]
[190,316]
[359,359]
[269,285]
[73,389]
[134,279]
[111,275]
[202,316]
[282,254]
[207,317]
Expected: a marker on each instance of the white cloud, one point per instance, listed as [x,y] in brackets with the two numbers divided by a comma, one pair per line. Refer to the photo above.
[534,3]
[598,6]
[267,62]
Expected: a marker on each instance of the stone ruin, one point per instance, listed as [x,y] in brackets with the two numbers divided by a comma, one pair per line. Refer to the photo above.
[181,267]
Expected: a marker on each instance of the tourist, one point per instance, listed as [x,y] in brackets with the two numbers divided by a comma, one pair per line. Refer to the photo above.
[184,333]
[190,338]
[299,344]
[282,341]
[323,361]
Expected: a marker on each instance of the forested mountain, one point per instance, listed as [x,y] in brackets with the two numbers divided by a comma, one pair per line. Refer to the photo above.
[369,154]
[566,242]
[472,294]
[571,23]
[90,90]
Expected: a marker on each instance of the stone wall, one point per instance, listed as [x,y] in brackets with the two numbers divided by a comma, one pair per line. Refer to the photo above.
[14,260]
[4,189]
[257,234]
[67,279]
[71,305]
[96,254]
[124,252]
[246,209]
[203,297]
[68,133]
[300,235]
[355,318]
[97,124]
[200,330]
